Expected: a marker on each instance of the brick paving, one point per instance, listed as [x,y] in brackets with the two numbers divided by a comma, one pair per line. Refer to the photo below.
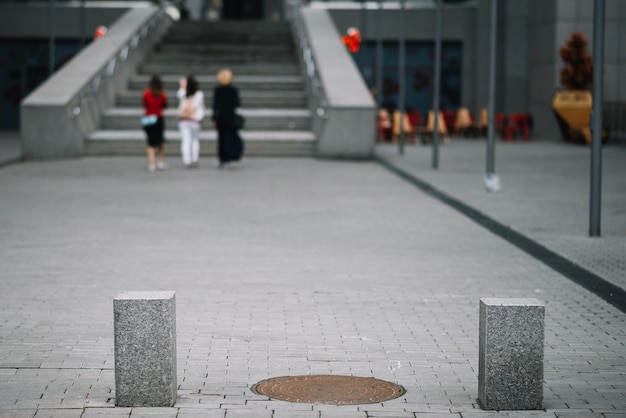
[299,266]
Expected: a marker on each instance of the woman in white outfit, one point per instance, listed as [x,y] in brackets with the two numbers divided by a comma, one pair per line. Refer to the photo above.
[190,113]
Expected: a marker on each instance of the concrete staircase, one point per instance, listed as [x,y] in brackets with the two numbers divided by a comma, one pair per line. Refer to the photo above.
[263,60]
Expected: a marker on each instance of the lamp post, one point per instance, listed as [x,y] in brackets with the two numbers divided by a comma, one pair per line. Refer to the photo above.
[436,98]
[379,57]
[492,182]
[596,119]
[401,71]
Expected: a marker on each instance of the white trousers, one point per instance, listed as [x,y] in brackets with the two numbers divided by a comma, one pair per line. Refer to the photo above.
[189,141]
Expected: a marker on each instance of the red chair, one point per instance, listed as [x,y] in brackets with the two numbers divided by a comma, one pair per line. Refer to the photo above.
[415,117]
[449,116]
[519,122]
[504,127]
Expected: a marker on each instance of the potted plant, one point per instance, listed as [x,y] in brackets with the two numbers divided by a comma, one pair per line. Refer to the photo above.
[572,106]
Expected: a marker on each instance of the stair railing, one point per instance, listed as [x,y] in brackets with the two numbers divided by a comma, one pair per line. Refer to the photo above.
[58,116]
[317,102]
[344,112]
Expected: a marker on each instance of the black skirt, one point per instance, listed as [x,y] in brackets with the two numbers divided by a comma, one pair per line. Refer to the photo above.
[155,133]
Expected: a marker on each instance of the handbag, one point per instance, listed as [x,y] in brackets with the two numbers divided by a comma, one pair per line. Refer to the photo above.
[237,148]
[187,110]
[148,120]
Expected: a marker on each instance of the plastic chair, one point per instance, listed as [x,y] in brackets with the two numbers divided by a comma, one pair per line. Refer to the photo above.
[384,126]
[406,125]
[464,123]
[430,124]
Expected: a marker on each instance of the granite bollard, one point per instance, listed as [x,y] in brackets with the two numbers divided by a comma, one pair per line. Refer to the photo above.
[145,349]
[510,366]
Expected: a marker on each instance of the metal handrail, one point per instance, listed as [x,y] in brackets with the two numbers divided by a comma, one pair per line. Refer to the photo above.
[109,69]
[313,78]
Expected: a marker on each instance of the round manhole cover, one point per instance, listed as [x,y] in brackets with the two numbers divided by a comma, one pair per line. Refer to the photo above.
[328,389]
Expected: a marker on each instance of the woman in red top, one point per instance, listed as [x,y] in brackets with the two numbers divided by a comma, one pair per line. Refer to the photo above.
[154,101]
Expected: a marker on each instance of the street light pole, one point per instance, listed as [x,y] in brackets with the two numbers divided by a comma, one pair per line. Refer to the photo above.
[596,119]
[401,71]
[436,96]
[363,50]
[492,182]
[379,57]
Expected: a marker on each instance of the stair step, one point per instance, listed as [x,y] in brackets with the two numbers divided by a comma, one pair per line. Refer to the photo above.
[236,68]
[249,99]
[256,119]
[225,37]
[208,82]
[239,25]
[243,28]
[218,48]
[257,143]
[254,58]
[266,72]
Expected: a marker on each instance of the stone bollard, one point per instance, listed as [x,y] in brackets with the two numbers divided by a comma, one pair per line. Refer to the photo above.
[510,366]
[145,349]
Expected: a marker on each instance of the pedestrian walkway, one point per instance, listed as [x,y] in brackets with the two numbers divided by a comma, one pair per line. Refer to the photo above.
[302,266]
[545,194]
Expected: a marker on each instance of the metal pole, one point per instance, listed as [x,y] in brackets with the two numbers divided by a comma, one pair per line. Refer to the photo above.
[435,162]
[596,118]
[363,50]
[379,57]
[52,30]
[492,94]
[401,70]
[379,70]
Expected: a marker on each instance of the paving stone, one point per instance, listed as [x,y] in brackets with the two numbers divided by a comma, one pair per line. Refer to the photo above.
[17,413]
[58,413]
[339,262]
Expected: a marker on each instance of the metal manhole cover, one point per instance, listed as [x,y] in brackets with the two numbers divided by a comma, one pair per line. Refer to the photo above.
[328,389]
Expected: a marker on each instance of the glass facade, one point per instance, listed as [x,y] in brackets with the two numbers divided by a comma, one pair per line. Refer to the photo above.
[419,73]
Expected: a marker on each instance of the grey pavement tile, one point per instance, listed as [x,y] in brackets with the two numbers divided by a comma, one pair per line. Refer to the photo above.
[577,414]
[388,414]
[481,414]
[58,413]
[110,412]
[152,410]
[200,413]
[17,413]
[246,413]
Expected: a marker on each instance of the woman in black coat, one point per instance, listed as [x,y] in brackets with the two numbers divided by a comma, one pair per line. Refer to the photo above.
[225,103]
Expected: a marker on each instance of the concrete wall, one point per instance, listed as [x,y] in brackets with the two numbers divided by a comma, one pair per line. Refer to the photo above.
[514,53]
[551,23]
[349,110]
[615,51]
[31,19]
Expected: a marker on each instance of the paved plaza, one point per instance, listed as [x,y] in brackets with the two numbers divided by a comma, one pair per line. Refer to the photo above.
[288,266]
